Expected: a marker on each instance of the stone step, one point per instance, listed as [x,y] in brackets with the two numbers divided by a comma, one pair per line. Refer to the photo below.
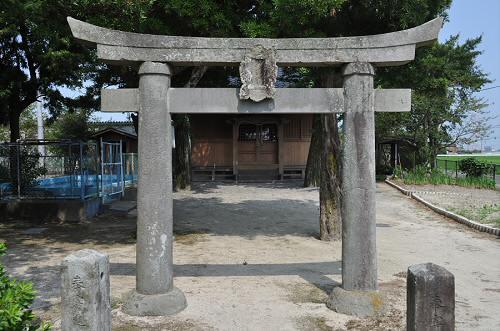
[124,206]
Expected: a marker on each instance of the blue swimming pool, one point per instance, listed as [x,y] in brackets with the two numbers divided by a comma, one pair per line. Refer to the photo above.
[71,186]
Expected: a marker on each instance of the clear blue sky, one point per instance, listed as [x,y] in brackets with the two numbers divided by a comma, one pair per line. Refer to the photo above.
[469,19]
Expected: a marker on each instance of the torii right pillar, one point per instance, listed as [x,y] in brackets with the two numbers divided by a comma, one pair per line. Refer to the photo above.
[358,294]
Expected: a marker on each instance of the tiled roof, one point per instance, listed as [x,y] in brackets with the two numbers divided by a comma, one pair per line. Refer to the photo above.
[124,127]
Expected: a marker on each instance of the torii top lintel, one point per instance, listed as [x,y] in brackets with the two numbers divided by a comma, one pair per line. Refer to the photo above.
[389,49]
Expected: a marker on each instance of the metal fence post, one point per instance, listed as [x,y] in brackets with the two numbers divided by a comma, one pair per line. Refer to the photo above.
[18,166]
[446,167]
[456,170]
[102,166]
[96,155]
[121,168]
[82,186]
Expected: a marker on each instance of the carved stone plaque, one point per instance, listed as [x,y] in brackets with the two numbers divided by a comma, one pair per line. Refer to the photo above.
[258,72]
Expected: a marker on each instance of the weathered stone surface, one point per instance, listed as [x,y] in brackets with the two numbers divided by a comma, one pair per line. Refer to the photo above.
[359,252]
[154,190]
[357,303]
[226,101]
[392,100]
[258,72]
[120,100]
[154,275]
[164,304]
[430,298]
[394,48]
[85,298]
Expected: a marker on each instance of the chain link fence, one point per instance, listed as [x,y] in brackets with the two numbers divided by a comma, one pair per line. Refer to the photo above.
[49,169]
[452,168]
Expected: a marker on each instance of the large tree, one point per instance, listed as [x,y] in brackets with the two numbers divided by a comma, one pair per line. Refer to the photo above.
[445,110]
[37,56]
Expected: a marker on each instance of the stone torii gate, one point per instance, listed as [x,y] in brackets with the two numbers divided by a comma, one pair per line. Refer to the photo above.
[155,100]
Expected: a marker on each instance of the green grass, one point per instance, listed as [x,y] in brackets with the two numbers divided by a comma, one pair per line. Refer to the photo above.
[421,176]
[485,158]
[451,166]
[486,214]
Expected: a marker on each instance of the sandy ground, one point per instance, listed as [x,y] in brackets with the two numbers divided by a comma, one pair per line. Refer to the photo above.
[467,201]
[247,258]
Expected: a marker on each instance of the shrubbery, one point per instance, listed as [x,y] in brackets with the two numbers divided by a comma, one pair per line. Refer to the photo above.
[31,169]
[16,298]
[473,167]
[422,175]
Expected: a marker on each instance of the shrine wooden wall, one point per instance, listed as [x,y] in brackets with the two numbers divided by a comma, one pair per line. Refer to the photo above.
[297,130]
[212,139]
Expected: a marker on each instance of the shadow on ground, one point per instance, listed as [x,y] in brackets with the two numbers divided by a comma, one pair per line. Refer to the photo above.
[314,272]
[284,210]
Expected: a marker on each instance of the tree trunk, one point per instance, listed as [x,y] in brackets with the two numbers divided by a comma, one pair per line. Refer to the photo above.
[15,130]
[330,184]
[182,152]
[330,189]
[313,167]
[182,155]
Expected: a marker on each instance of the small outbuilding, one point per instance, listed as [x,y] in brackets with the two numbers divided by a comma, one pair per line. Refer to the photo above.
[115,132]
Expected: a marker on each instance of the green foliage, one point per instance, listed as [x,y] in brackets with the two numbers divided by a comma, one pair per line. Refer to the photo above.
[16,298]
[37,56]
[74,125]
[30,167]
[28,126]
[472,167]
[422,175]
[444,79]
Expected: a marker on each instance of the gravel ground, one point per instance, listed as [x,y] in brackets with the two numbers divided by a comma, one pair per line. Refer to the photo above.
[479,205]
[247,258]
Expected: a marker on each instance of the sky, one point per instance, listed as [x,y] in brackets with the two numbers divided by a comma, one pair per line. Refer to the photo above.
[469,19]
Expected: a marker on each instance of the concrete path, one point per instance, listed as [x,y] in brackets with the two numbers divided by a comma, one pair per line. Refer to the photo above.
[247,258]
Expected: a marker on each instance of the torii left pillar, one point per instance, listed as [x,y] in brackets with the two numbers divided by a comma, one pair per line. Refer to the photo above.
[155,294]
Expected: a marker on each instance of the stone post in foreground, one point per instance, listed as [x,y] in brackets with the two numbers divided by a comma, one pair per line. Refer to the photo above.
[358,295]
[85,298]
[430,298]
[155,294]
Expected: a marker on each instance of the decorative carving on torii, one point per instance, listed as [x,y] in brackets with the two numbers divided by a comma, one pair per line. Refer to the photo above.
[155,100]
[258,73]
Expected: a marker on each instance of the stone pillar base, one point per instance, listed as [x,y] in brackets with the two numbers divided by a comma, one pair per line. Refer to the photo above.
[164,304]
[357,303]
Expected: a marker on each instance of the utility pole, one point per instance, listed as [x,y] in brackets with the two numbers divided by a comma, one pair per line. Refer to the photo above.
[40,131]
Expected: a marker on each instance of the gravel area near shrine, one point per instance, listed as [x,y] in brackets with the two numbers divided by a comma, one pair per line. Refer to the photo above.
[247,258]
[480,205]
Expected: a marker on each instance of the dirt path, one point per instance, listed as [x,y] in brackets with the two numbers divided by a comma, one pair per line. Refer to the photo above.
[247,258]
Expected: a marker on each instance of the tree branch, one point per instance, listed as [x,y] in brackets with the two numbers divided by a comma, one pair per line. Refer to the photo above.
[196,76]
